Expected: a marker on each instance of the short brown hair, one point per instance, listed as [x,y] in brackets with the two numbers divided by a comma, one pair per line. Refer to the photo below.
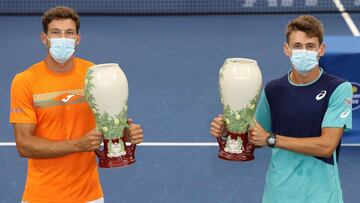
[60,13]
[308,24]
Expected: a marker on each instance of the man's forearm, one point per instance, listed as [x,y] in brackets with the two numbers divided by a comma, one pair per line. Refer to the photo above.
[314,146]
[40,148]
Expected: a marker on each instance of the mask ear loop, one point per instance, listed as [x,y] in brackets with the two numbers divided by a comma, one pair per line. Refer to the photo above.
[76,39]
[288,48]
[48,43]
[321,47]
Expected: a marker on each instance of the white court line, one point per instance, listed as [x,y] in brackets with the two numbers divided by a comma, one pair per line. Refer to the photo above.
[178,144]
[350,23]
[152,144]
[6,144]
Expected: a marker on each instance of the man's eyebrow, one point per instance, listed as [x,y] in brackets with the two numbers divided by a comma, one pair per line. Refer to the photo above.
[305,43]
[70,29]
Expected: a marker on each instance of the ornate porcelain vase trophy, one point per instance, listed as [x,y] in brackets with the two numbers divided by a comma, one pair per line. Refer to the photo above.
[106,91]
[240,82]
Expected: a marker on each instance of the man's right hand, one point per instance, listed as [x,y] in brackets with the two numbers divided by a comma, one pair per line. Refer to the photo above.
[90,141]
[217,126]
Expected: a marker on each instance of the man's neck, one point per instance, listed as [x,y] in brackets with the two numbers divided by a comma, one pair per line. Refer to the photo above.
[58,67]
[298,78]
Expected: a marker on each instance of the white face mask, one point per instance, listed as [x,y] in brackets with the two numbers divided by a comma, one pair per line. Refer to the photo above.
[304,61]
[61,49]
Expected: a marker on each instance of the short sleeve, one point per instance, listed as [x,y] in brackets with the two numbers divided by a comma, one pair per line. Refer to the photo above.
[21,101]
[339,111]
[262,114]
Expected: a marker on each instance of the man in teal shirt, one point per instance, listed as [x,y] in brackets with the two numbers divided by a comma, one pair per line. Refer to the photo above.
[302,117]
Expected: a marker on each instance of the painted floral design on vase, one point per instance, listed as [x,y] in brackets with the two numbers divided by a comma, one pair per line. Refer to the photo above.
[240,83]
[106,91]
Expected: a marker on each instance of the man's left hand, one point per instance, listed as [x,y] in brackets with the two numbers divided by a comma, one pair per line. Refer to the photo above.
[135,132]
[257,135]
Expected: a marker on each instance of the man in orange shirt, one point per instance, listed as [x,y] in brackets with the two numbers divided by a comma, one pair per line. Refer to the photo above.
[53,125]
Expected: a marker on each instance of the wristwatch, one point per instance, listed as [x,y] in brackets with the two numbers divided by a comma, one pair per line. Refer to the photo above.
[271,140]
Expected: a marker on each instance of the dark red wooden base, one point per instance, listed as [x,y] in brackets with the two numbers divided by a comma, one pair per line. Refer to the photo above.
[235,157]
[111,162]
[116,161]
[246,155]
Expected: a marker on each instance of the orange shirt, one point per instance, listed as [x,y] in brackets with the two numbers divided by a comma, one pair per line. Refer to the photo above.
[56,104]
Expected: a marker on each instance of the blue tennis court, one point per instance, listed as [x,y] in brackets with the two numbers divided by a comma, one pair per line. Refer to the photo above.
[172,64]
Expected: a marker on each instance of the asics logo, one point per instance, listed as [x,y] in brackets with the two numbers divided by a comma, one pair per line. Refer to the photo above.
[321,95]
[67,98]
[345,113]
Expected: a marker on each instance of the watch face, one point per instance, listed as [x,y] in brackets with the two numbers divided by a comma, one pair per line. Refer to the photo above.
[271,140]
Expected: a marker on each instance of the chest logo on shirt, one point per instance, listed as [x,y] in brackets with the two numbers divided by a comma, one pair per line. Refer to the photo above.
[59,98]
[68,97]
[321,95]
[345,113]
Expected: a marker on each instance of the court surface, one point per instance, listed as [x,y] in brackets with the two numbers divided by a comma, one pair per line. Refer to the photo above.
[172,65]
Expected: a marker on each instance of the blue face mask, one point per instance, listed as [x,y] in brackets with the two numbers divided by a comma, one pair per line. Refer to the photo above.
[304,61]
[61,49]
